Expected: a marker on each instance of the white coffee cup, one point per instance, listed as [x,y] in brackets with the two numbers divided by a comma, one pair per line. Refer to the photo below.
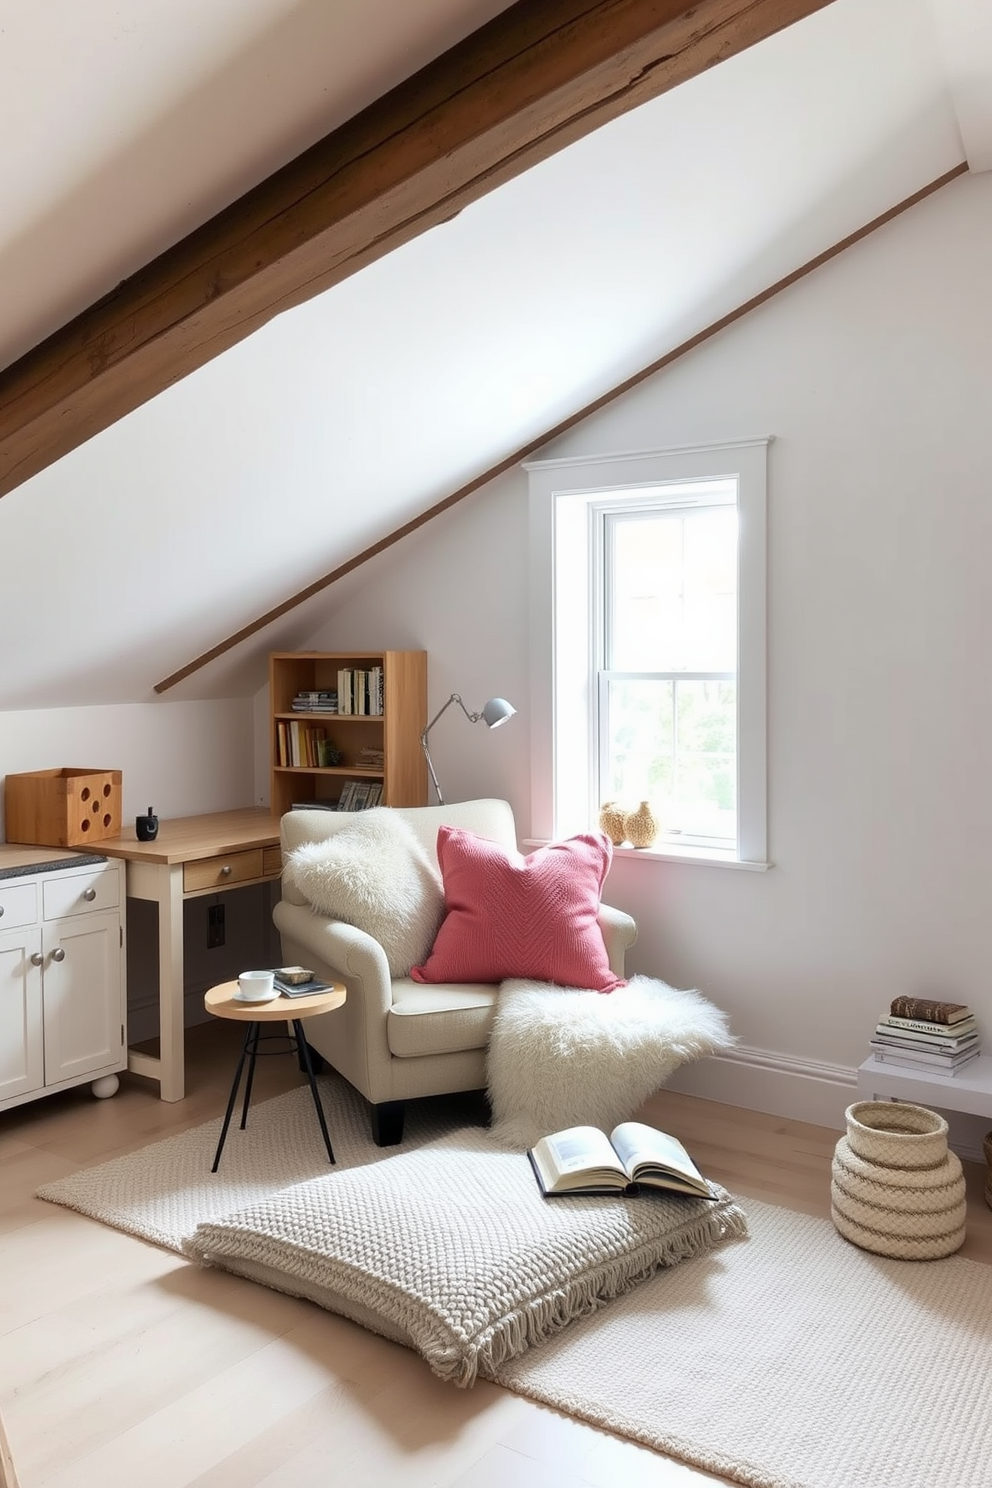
[256,986]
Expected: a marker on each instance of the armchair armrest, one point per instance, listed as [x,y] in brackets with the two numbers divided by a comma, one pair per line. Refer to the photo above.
[350,954]
[619,932]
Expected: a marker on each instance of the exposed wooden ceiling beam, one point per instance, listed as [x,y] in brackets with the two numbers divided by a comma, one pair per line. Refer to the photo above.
[536,78]
[526,450]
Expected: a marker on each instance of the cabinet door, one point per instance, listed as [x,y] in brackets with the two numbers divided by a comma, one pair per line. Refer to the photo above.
[22,1059]
[83,997]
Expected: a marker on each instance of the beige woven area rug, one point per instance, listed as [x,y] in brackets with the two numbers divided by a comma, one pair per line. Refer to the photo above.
[788,1360]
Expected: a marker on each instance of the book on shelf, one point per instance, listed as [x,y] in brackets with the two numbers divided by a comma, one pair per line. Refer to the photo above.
[584,1160]
[939,1053]
[360,691]
[347,795]
[929,1011]
[909,1039]
[315,702]
[313,806]
[940,1032]
[937,1064]
[299,745]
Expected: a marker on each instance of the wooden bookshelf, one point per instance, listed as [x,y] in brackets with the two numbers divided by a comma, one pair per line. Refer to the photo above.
[395,731]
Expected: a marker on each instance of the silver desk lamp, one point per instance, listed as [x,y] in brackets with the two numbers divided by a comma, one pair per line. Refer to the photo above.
[495,712]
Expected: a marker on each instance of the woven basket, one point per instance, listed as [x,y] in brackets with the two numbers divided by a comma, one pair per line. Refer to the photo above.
[897,1133]
[987,1144]
[895,1188]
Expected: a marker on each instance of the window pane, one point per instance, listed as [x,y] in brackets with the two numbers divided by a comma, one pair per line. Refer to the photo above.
[641,738]
[674,744]
[673,592]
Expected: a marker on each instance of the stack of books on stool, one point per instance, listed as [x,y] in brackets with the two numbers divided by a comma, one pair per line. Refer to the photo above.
[919,1034]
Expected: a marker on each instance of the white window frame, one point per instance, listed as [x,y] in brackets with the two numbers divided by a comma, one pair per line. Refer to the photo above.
[564,586]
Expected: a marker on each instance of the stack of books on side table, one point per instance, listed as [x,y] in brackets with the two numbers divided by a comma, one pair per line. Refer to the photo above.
[919,1034]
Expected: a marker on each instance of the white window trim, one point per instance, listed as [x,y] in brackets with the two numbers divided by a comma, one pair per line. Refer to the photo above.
[562,493]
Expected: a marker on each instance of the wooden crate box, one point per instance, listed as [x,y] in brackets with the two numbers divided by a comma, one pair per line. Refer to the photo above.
[62,808]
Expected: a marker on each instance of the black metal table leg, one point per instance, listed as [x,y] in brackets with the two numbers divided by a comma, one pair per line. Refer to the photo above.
[252,1027]
[301,1043]
[256,1029]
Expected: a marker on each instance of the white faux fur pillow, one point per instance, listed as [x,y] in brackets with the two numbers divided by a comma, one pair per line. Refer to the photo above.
[376,875]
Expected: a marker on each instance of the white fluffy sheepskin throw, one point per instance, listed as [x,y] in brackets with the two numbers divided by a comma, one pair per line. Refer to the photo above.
[562,1057]
[376,875]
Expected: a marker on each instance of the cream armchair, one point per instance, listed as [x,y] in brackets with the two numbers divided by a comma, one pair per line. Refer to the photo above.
[397,1040]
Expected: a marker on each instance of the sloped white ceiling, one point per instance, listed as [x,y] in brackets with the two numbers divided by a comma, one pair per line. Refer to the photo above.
[123,127]
[346,417]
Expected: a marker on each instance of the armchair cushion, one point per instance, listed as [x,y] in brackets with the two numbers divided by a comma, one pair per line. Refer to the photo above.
[376,875]
[514,916]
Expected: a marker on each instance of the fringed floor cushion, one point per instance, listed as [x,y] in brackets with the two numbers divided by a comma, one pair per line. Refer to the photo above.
[453,1251]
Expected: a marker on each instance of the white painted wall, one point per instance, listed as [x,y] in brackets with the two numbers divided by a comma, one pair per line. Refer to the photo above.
[181,758]
[874,377]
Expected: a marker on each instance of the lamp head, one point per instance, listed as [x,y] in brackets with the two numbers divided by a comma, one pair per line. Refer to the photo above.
[497,711]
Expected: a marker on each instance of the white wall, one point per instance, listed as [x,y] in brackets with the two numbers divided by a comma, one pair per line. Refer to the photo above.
[874,378]
[181,758]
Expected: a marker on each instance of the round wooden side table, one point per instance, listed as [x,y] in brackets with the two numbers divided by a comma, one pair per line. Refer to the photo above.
[222,1003]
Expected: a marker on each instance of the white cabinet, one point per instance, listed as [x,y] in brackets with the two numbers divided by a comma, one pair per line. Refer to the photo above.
[62,993]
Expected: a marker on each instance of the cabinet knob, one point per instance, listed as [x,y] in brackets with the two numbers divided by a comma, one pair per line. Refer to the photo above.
[37,959]
[225,870]
[89,894]
[1,911]
[58,954]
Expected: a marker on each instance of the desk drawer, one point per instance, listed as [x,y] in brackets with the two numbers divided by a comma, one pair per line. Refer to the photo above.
[18,905]
[272,861]
[221,872]
[89,892]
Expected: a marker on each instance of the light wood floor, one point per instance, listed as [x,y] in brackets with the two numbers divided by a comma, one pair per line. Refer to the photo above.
[121,1364]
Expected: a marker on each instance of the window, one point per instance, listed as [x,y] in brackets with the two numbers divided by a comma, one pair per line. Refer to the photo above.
[648,602]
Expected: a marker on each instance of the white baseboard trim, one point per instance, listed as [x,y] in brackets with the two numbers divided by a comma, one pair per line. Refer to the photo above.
[760,1080]
[802,1089]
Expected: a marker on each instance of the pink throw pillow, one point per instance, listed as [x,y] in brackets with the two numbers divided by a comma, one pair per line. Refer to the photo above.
[514,916]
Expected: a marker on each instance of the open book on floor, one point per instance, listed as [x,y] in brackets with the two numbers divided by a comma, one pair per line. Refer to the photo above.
[584,1160]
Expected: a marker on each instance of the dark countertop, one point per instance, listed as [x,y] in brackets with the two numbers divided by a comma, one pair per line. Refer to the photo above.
[18,862]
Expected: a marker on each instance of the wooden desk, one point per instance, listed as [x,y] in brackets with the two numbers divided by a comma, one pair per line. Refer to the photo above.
[190,857]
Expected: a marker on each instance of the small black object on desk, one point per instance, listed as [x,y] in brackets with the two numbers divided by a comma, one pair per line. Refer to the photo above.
[146,827]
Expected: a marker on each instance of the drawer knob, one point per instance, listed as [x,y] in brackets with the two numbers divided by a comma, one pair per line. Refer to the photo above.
[58,954]
[37,959]
[225,870]
[1,911]
[89,894]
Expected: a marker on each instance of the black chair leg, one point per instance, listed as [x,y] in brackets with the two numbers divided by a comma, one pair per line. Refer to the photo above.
[317,1061]
[387,1123]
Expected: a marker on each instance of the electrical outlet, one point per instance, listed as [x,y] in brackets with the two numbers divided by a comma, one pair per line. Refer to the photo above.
[215,926]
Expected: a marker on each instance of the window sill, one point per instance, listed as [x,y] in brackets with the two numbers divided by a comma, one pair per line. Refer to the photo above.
[699,857]
[696,856]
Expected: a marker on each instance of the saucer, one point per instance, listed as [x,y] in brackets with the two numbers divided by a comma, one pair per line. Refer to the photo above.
[247,1001]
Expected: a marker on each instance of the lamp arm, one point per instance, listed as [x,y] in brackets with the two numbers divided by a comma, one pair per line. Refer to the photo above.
[454,698]
[472,718]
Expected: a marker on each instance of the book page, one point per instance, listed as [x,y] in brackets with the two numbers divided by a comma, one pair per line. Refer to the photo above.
[638,1144]
[581,1147]
[578,1158]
